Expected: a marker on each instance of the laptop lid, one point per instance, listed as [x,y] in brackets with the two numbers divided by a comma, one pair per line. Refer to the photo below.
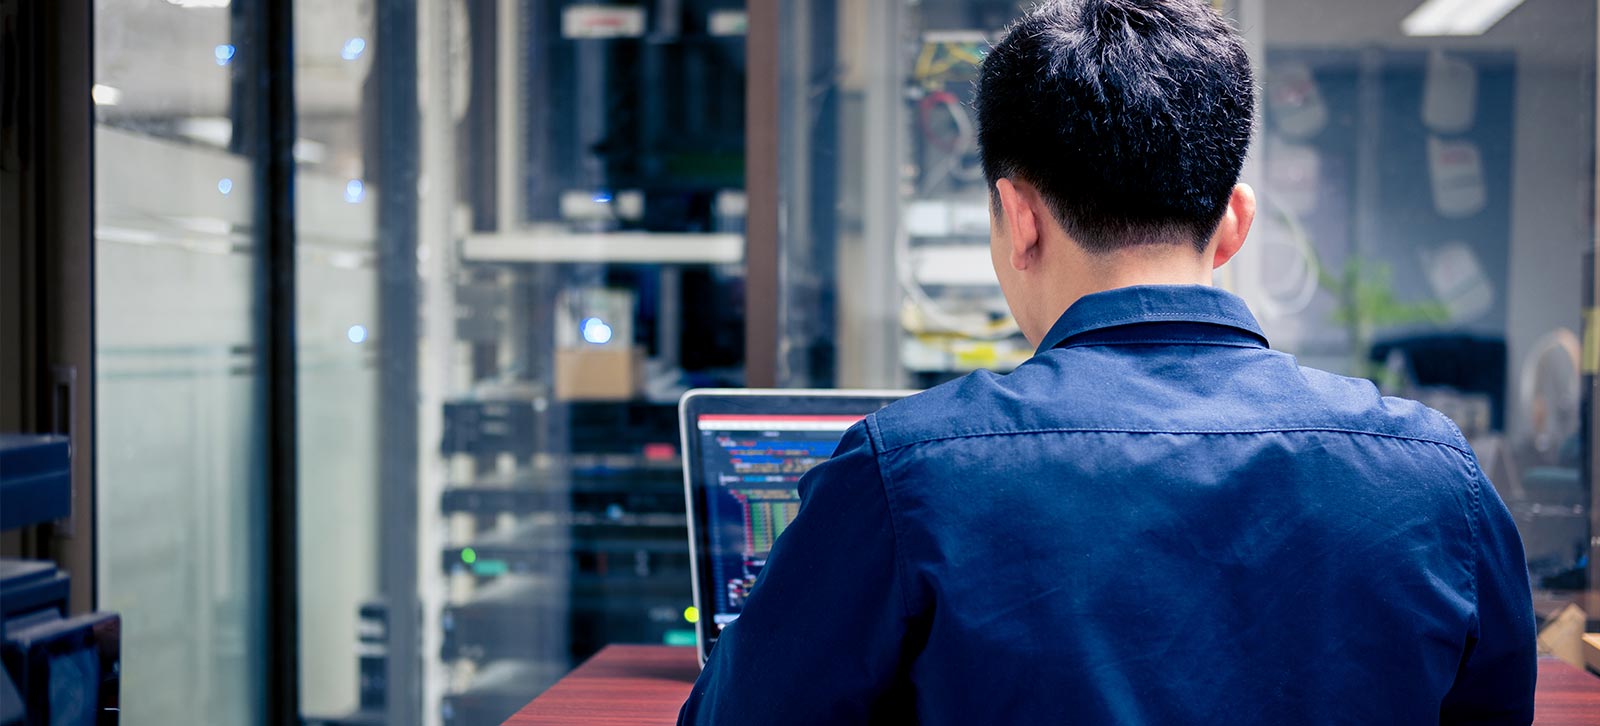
[744,451]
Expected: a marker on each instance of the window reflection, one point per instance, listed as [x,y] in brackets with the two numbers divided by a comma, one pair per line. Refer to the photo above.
[1426,222]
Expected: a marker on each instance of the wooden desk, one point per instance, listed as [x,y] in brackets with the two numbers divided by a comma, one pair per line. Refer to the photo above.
[643,685]
[623,685]
[1565,696]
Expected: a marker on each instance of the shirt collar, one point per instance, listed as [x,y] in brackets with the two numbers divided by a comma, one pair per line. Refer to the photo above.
[1153,304]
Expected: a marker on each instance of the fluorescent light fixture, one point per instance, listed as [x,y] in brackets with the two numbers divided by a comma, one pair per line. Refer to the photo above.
[199,3]
[209,130]
[104,95]
[1456,17]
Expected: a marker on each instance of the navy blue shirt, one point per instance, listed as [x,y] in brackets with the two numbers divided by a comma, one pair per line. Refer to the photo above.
[1155,520]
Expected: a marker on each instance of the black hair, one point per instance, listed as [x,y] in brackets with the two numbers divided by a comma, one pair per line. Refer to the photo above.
[1131,117]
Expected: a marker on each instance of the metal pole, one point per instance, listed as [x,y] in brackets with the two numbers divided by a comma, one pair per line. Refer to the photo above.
[1590,423]
[761,188]
[508,146]
[398,127]
[439,373]
[870,320]
[265,110]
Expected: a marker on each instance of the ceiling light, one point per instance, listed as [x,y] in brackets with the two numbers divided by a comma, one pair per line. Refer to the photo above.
[199,3]
[1456,17]
[596,331]
[104,95]
[352,48]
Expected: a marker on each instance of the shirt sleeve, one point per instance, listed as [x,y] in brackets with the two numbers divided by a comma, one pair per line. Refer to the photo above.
[821,636]
[1495,682]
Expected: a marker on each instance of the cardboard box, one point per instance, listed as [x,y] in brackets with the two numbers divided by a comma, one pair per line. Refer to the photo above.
[1591,651]
[598,373]
[1561,632]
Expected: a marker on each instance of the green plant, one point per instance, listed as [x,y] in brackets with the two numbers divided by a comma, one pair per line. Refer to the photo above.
[1367,302]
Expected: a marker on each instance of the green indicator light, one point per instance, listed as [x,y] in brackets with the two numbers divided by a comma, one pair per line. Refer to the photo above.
[678,637]
[469,555]
[691,614]
[489,568]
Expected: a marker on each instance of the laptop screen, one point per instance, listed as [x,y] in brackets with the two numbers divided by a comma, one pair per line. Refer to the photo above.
[744,454]
[750,466]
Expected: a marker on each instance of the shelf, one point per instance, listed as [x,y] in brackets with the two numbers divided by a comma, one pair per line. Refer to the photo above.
[614,247]
[611,567]
[600,549]
[587,473]
[494,624]
[616,503]
[965,265]
[510,426]
[498,689]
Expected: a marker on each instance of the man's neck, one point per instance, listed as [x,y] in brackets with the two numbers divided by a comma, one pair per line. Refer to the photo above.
[1148,265]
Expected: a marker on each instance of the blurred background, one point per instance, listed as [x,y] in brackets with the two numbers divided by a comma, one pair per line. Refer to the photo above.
[391,301]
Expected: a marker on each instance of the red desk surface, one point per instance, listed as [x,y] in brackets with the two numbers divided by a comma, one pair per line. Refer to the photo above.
[640,685]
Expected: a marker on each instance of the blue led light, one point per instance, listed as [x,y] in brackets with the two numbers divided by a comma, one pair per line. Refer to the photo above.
[357,334]
[224,185]
[354,191]
[224,53]
[596,331]
[352,48]
[602,198]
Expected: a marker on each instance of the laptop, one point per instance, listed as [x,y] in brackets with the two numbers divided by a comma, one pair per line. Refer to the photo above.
[744,451]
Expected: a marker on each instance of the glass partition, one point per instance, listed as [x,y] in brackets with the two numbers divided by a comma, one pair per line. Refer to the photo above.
[520,235]
[179,466]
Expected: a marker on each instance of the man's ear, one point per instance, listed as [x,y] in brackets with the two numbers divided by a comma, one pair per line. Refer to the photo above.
[1017,202]
[1235,225]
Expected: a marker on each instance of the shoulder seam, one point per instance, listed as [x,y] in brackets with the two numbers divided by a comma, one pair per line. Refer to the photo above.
[1475,504]
[1475,510]
[1461,438]
[1173,432]
[875,441]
